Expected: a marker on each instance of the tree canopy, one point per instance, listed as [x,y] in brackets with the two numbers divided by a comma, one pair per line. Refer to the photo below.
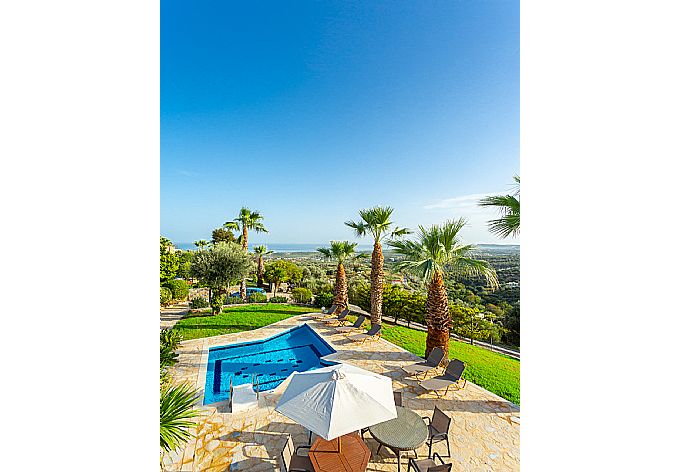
[222,235]
[221,266]
[282,271]
[169,262]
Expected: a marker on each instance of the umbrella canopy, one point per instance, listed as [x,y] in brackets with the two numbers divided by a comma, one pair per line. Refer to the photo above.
[337,400]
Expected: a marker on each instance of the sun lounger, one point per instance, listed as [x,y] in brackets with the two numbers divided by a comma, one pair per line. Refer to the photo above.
[451,378]
[355,327]
[325,314]
[340,319]
[429,365]
[373,333]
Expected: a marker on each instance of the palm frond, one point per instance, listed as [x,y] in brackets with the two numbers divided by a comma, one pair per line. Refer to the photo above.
[325,251]
[400,232]
[436,248]
[505,226]
[176,410]
[476,268]
[340,250]
[376,222]
[258,227]
[232,225]
[377,216]
[505,203]
[360,228]
[509,206]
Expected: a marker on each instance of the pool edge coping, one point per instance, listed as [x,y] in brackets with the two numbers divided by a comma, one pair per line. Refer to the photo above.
[208,343]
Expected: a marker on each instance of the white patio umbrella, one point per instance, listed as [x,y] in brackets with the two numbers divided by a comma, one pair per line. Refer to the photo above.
[337,400]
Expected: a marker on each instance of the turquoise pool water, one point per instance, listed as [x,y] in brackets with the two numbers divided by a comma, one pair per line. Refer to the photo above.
[271,360]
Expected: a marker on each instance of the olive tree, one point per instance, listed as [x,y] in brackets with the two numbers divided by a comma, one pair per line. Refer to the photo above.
[221,266]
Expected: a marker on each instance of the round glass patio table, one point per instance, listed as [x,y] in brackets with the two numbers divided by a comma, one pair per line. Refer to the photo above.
[405,433]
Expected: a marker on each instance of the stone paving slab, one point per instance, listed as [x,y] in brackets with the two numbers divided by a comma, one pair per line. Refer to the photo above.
[484,433]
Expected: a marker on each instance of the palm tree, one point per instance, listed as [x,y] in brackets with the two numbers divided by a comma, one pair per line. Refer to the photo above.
[341,251]
[201,244]
[247,219]
[376,222]
[260,251]
[509,205]
[435,250]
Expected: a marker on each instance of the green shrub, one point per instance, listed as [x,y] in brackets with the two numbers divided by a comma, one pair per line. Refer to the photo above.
[199,302]
[179,289]
[166,295]
[279,300]
[258,297]
[170,338]
[302,295]
[396,301]
[324,299]
[169,342]
[216,304]
[233,300]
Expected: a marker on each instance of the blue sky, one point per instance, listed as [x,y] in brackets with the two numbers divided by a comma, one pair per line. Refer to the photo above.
[309,111]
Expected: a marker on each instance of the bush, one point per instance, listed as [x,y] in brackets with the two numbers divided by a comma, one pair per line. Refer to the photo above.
[324,299]
[216,304]
[166,295]
[279,300]
[400,303]
[258,297]
[396,302]
[302,295]
[233,300]
[199,302]
[179,289]
[169,342]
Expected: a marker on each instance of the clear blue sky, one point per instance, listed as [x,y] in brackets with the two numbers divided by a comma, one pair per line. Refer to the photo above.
[308,111]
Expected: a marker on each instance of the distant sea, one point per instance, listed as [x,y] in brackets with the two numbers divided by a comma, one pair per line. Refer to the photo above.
[283,247]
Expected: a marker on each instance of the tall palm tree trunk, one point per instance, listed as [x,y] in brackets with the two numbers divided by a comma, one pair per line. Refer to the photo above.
[438,320]
[260,272]
[245,246]
[376,283]
[340,289]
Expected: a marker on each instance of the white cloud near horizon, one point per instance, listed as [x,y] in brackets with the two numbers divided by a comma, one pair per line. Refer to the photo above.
[465,206]
[463,201]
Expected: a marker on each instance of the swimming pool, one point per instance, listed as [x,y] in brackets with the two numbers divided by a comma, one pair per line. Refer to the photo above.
[272,360]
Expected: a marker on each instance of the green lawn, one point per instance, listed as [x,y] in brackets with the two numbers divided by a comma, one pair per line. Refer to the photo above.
[235,319]
[495,372]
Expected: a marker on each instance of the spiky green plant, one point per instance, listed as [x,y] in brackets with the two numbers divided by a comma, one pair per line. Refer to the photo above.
[509,206]
[169,342]
[176,410]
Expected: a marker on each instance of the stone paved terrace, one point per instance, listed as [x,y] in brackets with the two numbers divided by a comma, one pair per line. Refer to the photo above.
[485,428]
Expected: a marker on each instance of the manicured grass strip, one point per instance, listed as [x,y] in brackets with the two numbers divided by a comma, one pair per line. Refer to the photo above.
[235,319]
[495,372]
